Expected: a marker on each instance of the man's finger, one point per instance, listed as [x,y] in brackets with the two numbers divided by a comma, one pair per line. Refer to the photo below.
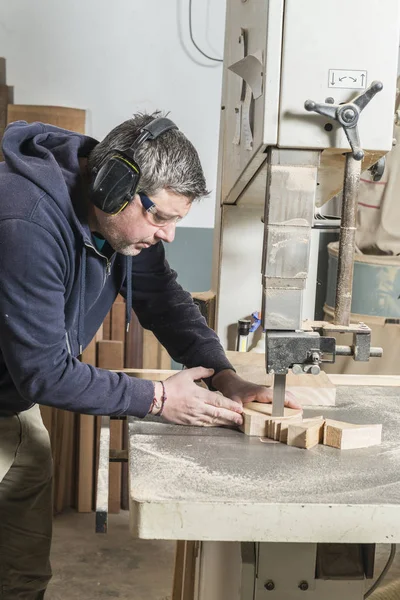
[220,401]
[199,373]
[292,404]
[214,416]
[290,401]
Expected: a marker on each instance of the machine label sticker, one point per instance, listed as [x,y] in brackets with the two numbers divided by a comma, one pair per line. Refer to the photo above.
[344,78]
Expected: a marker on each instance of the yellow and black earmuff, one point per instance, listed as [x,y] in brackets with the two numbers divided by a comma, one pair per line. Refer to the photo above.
[115,184]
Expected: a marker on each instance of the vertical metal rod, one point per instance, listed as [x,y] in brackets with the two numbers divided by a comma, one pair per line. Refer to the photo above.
[347,241]
[278,399]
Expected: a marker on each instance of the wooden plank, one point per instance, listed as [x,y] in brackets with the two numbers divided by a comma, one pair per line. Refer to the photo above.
[110,354]
[99,334]
[70,485]
[155,355]
[6,98]
[125,468]
[3,78]
[348,436]
[179,570]
[307,434]
[62,466]
[114,500]
[118,319]
[86,447]
[89,353]
[107,327]
[363,380]
[185,569]
[134,345]
[86,432]
[309,390]
[150,350]
[46,414]
[60,116]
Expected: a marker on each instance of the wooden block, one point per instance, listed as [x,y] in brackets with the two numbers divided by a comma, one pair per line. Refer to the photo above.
[312,390]
[110,354]
[348,436]
[206,302]
[309,390]
[307,434]
[60,116]
[283,429]
[254,423]
[261,423]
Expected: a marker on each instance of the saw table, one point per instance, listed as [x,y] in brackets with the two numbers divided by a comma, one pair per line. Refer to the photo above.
[217,485]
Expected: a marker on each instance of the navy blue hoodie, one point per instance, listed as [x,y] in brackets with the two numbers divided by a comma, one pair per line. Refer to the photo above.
[56,288]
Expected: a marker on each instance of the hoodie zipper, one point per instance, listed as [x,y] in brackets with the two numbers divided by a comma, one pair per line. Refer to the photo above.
[108,261]
[68,343]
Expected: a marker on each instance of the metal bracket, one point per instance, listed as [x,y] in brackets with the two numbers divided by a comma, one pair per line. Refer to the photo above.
[347,115]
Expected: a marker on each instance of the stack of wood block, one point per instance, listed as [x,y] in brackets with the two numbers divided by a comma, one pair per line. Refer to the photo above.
[293,430]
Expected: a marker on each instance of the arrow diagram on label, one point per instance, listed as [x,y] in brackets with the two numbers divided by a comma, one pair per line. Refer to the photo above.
[341,78]
[333,79]
[362,79]
[353,79]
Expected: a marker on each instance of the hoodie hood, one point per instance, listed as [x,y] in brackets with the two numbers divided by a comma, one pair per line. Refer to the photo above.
[48,157]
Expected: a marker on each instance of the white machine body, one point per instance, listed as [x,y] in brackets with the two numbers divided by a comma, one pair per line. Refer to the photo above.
[278,55]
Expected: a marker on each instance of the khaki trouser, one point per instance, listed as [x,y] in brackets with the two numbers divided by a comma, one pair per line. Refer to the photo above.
[25,506]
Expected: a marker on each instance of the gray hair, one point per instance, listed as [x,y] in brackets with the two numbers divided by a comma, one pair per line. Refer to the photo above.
[169,162]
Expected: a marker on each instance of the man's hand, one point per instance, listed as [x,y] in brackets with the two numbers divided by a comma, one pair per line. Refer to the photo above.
[238,389]
[190,404]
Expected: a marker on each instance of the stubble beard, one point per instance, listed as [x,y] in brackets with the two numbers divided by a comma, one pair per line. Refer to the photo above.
[117,242]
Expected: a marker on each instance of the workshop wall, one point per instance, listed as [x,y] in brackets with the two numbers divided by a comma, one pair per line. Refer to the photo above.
[113,59]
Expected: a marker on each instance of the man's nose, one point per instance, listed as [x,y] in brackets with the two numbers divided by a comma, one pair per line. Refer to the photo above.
[166,234]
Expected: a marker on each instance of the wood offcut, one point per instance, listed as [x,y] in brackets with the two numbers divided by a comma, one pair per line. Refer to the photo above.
[348,436]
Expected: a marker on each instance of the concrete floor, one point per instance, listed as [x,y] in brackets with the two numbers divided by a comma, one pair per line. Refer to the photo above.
[91,566]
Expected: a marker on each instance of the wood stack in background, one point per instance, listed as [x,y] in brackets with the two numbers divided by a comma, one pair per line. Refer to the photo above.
[117,349]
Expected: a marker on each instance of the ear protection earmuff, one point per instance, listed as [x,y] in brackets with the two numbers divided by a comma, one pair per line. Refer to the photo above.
[115,184]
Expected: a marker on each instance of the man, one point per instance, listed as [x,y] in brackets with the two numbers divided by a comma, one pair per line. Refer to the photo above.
[80,222]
